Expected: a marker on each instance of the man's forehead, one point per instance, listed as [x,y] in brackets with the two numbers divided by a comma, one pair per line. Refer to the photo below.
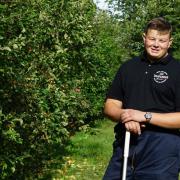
[157,32]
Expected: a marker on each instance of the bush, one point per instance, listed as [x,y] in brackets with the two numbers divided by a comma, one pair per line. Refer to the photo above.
[43,62]
[57,59]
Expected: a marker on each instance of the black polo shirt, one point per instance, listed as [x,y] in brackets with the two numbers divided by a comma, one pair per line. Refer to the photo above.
[146,86]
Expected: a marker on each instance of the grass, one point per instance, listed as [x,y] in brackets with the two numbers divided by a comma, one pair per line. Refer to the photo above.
[88,155]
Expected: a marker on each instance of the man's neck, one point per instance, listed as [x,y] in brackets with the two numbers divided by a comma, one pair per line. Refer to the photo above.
[152,60]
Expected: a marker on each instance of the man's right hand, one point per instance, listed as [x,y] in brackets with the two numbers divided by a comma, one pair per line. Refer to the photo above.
[133,127]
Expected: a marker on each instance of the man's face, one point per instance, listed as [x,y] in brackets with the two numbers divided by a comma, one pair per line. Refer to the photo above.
[157,43]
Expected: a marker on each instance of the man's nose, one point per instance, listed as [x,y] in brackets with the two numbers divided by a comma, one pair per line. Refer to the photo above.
[156,43]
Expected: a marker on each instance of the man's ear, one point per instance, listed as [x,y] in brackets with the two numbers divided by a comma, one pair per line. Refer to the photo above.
[170,42]
[144,36]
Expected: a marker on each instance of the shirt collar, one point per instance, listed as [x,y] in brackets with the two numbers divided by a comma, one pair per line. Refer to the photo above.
[164,60]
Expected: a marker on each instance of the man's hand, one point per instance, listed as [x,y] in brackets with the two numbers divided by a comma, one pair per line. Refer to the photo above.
[133,120]
[133,127]
[132,115]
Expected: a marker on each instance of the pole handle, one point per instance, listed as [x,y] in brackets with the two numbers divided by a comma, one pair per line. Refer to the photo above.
[126,154]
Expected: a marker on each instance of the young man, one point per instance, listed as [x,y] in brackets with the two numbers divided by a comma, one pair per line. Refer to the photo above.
[145,99]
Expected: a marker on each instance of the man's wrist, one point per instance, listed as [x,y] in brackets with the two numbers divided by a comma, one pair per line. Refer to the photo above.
[148,116]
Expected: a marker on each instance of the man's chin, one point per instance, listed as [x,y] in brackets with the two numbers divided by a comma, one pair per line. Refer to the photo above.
[155,55]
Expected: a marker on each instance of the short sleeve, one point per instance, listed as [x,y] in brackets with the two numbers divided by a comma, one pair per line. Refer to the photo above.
[116,88]
[177,95]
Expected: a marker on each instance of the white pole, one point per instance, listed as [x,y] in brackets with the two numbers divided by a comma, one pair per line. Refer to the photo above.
[126,154]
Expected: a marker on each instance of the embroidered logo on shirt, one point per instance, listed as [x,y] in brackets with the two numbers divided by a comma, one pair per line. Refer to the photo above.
[161,76]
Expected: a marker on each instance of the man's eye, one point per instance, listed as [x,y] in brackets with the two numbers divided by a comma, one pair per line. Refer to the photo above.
[162,40]
[151,39]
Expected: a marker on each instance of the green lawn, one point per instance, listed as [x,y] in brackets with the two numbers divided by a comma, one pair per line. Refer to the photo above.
[87,157]
[89,153]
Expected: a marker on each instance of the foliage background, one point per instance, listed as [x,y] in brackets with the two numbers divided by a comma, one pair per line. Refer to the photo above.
[57,59]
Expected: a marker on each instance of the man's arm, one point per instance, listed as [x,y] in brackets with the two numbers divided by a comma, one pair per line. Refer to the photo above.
[113,109]
[165,120]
